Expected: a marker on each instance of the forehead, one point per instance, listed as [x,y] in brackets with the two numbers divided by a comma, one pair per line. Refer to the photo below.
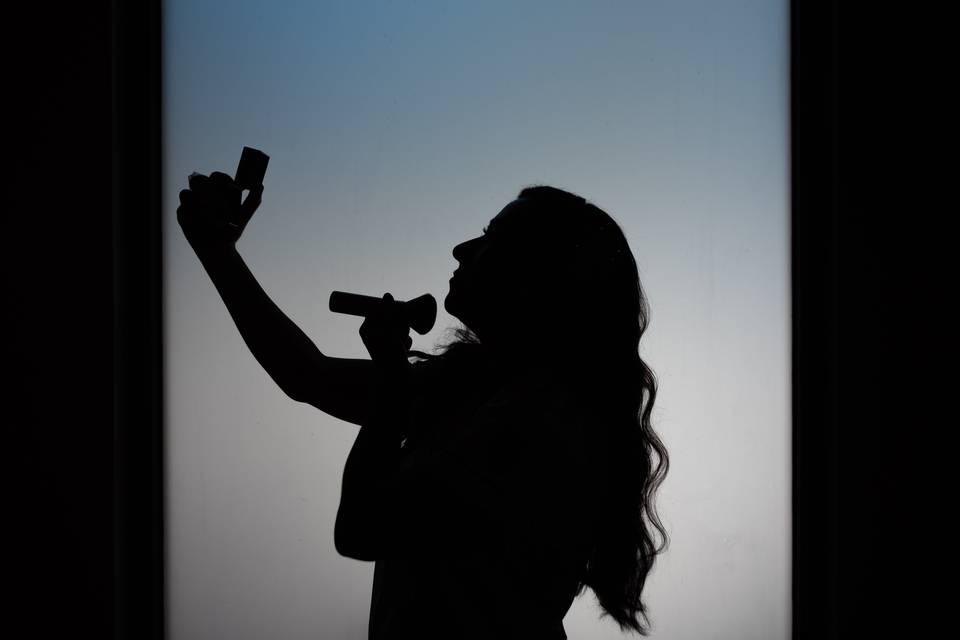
[516,213]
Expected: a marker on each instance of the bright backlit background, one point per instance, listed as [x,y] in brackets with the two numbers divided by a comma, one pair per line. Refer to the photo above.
[397,130]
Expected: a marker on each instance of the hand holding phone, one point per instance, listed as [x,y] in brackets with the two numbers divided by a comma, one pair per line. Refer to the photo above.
[212,212]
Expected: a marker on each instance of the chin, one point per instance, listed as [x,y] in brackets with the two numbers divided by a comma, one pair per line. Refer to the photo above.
[450,304]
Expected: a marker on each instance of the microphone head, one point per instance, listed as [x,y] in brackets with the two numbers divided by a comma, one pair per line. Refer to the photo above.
[421,313]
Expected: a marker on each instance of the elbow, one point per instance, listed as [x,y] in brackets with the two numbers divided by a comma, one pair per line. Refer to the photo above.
[294,395]
[290,379]
[350,542]
[353,548]
[293,391]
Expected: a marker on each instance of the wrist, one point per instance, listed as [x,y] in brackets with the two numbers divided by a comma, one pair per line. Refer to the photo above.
[216,254]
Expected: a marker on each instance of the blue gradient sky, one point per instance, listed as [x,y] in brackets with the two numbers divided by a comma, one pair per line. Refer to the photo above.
[397,130]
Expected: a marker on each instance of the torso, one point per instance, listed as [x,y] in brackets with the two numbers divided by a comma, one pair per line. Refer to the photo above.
[493,514]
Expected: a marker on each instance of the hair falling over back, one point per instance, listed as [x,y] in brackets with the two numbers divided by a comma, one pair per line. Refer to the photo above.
[600,273]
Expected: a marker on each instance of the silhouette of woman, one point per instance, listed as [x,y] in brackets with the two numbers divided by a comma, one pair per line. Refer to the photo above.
[493,481]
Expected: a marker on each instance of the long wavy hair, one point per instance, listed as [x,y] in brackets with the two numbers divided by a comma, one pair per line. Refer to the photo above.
[595,286]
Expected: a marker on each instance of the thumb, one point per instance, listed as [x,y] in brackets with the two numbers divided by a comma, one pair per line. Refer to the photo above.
[250,204]
[392,310]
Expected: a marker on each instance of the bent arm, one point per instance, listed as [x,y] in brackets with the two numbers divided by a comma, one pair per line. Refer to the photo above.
[368,474]
[341,387]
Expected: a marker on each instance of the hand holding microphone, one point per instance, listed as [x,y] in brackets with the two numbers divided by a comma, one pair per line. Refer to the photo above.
[386,328]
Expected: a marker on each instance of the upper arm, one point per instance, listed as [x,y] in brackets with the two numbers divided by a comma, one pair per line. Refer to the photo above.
[349,388]
[341,387]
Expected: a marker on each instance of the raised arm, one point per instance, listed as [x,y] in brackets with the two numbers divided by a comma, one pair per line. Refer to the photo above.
[341,387]
[212,219]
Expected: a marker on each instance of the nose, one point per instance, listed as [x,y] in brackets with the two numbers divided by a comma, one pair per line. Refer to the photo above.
[465,250]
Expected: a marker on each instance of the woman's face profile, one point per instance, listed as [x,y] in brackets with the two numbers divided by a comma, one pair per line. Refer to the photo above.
[490,275]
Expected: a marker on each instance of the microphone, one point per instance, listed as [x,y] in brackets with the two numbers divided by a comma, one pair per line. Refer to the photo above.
[419,313]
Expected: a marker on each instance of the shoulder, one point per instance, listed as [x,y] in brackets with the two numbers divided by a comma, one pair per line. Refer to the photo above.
[460,360]
[444,388]
[569,432]
[553,402]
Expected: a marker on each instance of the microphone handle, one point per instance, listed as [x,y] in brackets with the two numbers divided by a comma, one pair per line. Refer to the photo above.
[355,304]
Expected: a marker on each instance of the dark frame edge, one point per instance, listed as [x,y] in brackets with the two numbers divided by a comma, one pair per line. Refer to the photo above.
[815,246]
[139,594]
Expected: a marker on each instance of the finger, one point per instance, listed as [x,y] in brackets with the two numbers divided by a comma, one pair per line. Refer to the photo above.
[216,186]
[383,311]
[187,217]
[365,326]
[186,197]
[203,188]
[391,313]
[197,180]
[387,321]
[251,204]
[225,187]
[220,178]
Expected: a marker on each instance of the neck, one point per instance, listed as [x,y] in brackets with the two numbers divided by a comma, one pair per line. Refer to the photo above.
[510,358]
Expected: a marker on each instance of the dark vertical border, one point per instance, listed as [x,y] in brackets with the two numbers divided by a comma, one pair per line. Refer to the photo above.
[863,374]
[56,316]
[138,318]
[866,302]
[815,247]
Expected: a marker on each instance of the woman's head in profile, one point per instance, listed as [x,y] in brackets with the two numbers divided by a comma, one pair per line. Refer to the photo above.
[552,281]
[548,254]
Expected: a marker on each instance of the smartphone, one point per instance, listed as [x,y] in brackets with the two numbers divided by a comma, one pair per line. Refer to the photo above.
[252,168]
